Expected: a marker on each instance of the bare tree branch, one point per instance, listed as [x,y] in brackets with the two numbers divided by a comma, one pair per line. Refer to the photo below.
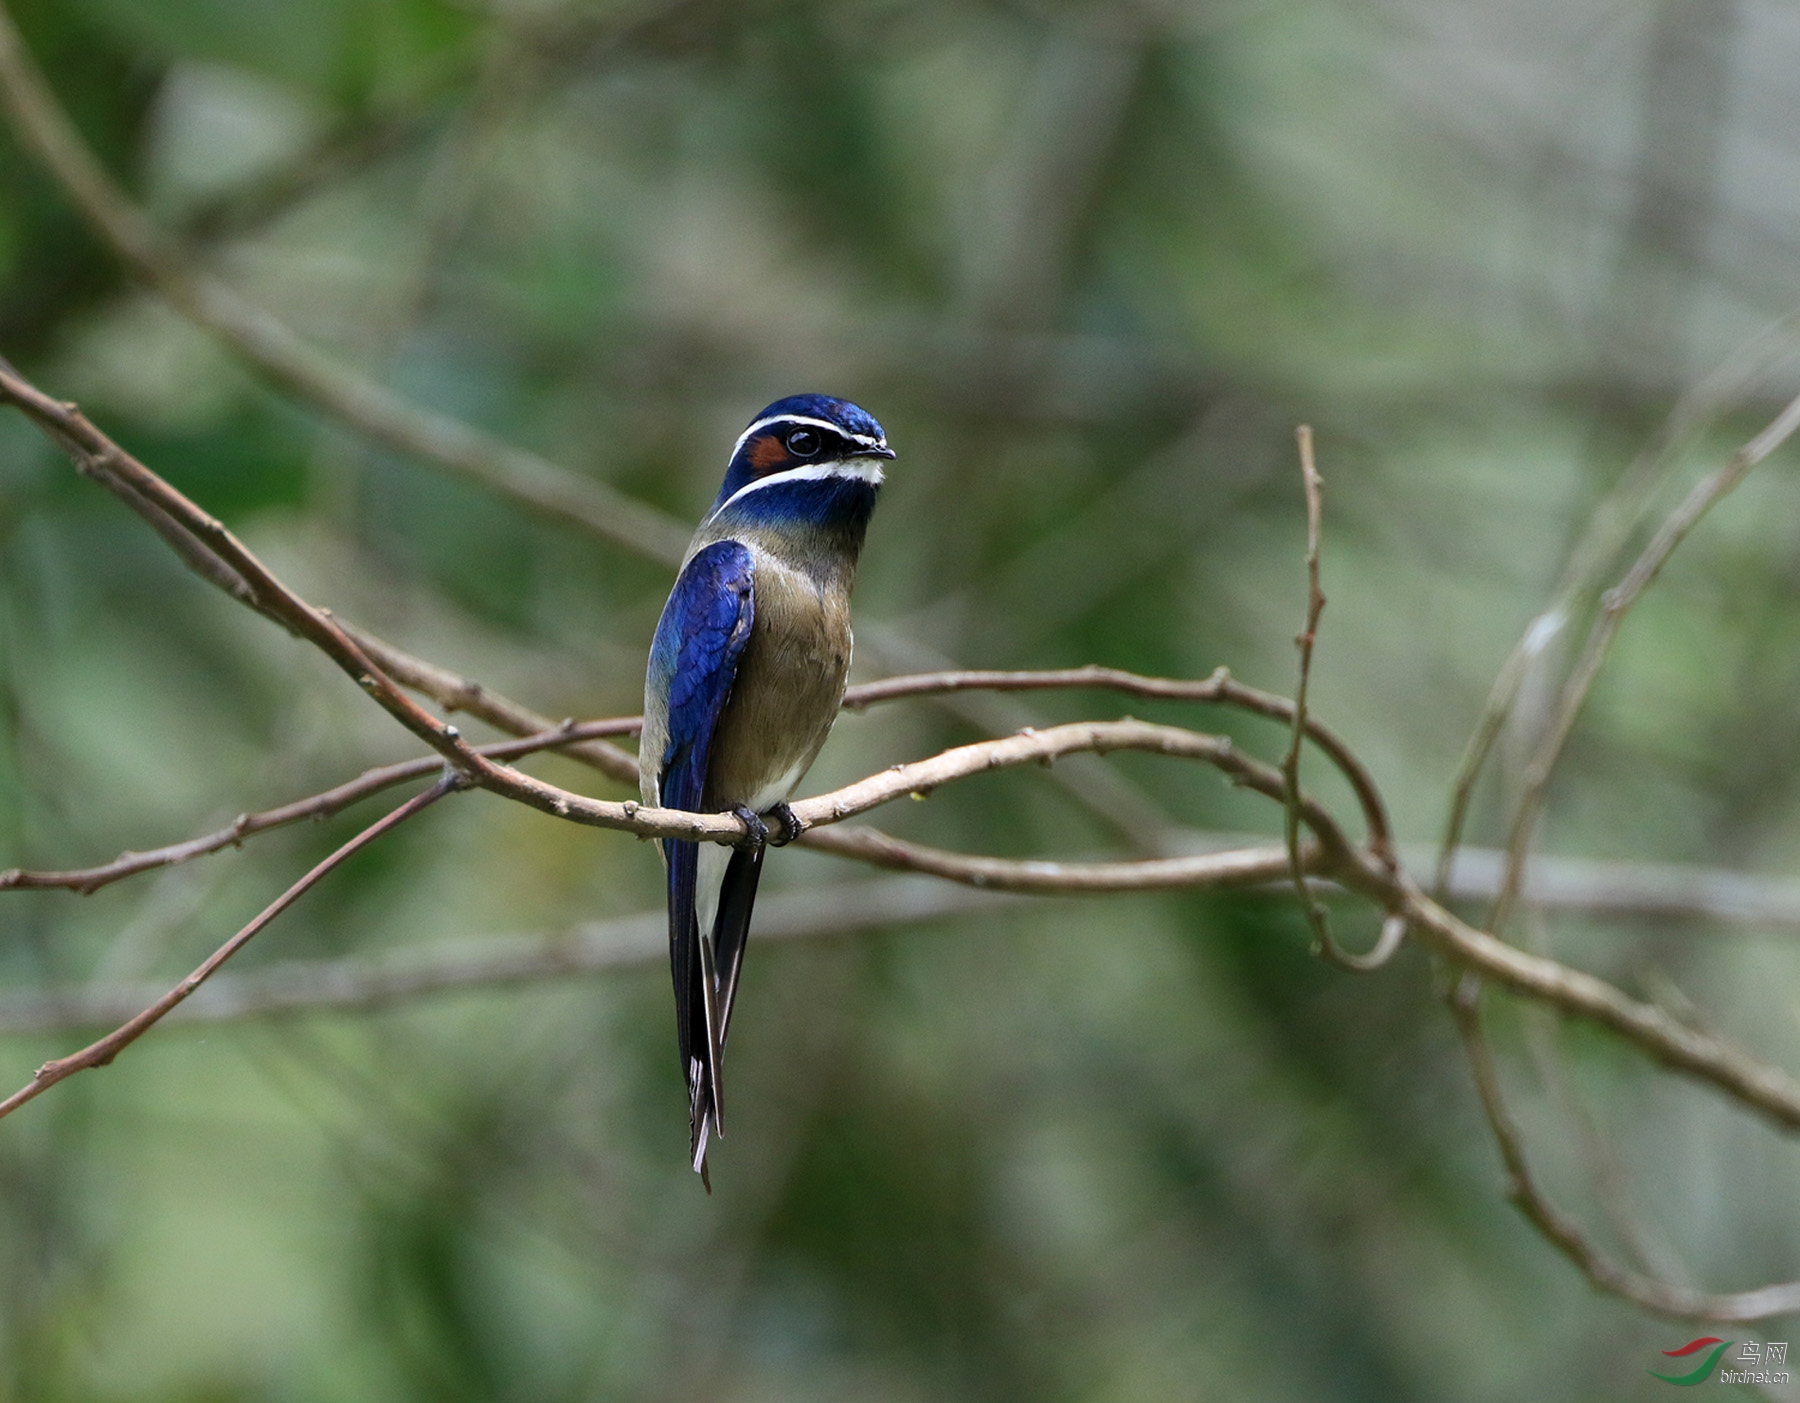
[1605,533]
[1650,890]
[215,553]
[1235,867]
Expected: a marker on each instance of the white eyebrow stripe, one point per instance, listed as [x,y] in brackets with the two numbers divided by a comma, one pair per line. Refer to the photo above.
[866,469]
[838,429]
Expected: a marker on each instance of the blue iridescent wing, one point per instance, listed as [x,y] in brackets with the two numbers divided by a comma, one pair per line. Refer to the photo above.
[699,640]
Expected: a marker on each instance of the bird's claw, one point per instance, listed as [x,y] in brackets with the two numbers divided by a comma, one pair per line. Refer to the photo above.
[791,826]
[756,832]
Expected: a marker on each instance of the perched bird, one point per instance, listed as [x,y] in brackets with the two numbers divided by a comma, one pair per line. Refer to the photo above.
[746,674]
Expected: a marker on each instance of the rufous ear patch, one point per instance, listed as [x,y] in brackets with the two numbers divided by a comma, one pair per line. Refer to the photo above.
[767,453]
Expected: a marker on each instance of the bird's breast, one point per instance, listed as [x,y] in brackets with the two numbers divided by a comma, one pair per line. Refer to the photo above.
[790,682]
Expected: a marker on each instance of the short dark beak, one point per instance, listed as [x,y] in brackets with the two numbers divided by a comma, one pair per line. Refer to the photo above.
[882,452]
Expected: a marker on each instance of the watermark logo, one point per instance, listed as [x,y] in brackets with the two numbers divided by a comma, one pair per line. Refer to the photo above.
[1756,1362]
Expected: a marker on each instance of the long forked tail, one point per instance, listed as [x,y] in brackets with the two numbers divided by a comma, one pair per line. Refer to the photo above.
[706,971]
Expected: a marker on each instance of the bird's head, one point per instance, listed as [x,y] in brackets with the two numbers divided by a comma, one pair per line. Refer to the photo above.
[804,438]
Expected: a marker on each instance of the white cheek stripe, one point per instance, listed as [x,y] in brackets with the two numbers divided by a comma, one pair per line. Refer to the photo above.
[866,469]
[826,424]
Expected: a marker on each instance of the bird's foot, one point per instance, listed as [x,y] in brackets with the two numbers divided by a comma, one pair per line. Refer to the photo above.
[756,832]
[791,826]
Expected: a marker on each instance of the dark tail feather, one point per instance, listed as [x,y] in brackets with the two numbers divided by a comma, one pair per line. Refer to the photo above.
[713,967]
[731,928]
[696,1001]
[706,982]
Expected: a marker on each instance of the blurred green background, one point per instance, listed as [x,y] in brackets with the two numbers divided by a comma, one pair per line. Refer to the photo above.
[1089,264]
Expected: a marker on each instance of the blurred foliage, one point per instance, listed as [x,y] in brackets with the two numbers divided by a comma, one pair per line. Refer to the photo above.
[1089,263]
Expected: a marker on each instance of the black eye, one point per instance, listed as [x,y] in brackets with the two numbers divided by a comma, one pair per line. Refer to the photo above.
[803,443]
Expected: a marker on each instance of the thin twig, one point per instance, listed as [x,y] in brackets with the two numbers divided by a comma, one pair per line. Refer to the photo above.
[1565,1234]
[1393,926]
[99,1054]
[1236,867]
[1317,918]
